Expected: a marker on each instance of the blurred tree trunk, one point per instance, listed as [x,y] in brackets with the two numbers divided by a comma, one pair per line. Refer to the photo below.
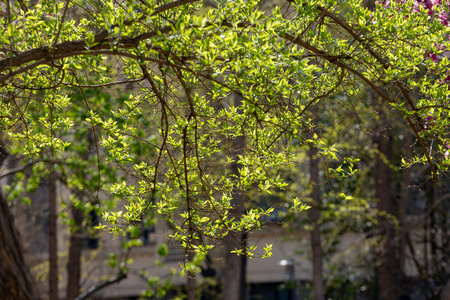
[314,216]
[445,294]
[190,276]
[243,282]
[76,237]
[234,284]
[16,282]
[388,268]
[53,238]
[402,207]
[15,278]
[74,263]
[191,284]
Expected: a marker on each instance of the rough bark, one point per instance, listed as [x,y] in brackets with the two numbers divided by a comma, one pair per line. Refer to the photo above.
[388,265]
[233,279]
[74,263]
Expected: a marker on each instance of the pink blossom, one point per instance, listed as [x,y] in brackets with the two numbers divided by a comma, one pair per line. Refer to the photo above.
[433,57]
[443,16]
[428,4]
[439,47]
[429,122]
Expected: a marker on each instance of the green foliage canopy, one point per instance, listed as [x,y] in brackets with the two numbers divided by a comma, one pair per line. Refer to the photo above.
[180,63]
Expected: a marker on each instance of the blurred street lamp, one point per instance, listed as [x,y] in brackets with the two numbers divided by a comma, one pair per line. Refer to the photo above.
[289,275]
[288,265]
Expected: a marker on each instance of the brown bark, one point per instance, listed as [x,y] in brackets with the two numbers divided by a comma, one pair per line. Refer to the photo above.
[74,263]
[234,284]
[388,265]
[53,239]
[73,48]
[191,286]
[234,280]
[15,279]
[76,237]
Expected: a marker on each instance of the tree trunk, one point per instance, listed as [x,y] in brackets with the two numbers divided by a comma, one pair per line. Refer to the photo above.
[53,239]
[432,230]
[15,279]
[388,264]
[314,215]
[388,270]
[243,282]
[445,294]
[191,285]
[190,276]
[76,237]
[403,204]
[234,284]
[74,263]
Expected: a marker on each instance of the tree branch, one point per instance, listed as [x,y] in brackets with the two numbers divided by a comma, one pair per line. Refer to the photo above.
[101,286]
[333,60]
[357,37]
[17,170]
